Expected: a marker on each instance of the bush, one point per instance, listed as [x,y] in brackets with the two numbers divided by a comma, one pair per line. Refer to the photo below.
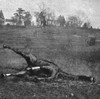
[91,40]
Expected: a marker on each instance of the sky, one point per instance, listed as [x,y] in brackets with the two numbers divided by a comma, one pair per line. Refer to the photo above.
[86,9]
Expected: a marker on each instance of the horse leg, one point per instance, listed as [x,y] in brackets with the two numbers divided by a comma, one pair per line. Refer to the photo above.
[19,74]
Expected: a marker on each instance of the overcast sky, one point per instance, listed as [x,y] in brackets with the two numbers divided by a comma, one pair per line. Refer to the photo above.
[87,9]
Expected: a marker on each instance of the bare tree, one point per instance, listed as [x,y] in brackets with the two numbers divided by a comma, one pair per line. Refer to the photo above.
[41,15]
[45,16]
[50,16]
[40,18]
[36,14]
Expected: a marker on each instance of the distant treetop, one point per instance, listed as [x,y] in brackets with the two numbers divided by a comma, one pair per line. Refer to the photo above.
[1,14]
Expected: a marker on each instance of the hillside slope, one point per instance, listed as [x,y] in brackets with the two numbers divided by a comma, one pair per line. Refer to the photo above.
[66,47]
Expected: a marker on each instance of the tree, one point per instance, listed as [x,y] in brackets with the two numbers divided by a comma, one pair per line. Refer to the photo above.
[19,15]
[41,15]
[14,20]
[50,16]
[22,17]
[61,20]
[45,16]
[36,14]
[2,19]
[74,21]
[27,19]
[40,18]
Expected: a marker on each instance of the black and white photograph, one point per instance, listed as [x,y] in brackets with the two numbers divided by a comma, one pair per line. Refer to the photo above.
[49,49]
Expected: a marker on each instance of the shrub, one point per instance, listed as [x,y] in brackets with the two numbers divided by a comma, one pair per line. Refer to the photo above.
[91,40]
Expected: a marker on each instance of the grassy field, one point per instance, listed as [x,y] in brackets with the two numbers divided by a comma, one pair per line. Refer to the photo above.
[57,44]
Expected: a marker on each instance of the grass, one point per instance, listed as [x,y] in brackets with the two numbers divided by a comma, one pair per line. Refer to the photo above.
[58,45]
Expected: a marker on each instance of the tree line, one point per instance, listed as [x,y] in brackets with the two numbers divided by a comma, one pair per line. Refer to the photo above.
[45,17]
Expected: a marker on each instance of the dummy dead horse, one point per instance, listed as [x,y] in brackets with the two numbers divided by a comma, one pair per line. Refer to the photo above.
[43,69]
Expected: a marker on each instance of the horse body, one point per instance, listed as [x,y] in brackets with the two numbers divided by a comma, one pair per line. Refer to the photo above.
[44,69]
